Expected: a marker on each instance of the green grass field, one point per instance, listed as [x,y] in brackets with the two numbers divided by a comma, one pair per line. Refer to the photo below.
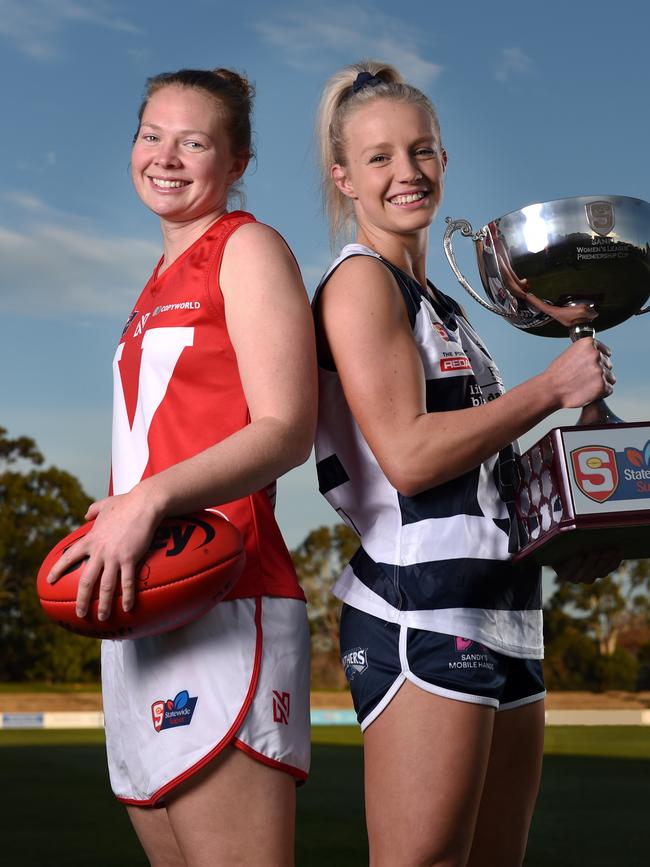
[592,811]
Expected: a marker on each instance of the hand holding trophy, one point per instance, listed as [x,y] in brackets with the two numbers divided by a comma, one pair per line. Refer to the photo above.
[572,267]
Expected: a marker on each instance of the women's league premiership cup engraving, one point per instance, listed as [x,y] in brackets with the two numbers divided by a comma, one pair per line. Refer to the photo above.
[573,267]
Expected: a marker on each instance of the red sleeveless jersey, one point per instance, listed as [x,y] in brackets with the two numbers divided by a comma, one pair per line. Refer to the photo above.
[177,392]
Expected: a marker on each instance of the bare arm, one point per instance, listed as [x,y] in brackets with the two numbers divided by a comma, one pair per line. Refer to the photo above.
[270,327]
[269,324]
[364,321]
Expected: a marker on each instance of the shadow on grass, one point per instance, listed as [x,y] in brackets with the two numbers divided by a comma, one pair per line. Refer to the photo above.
[58,809]
[591,812]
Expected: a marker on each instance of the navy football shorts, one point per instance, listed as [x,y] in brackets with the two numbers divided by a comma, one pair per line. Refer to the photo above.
[379,656]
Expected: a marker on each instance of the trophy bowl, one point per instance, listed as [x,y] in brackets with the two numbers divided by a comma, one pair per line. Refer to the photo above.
[572,267]
[554,265]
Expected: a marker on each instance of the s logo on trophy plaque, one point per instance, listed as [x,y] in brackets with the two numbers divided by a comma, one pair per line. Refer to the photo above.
[573,267]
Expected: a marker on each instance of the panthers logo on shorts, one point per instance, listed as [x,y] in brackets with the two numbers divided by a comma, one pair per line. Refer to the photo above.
[355,662]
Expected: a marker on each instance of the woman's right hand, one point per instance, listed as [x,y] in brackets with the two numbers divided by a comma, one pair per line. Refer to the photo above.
[582,374]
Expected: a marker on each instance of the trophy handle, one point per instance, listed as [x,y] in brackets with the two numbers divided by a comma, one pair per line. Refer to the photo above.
[596,412]
[465,229]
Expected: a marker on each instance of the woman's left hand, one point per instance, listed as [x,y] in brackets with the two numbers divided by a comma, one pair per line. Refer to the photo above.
[123,529]
[587,567]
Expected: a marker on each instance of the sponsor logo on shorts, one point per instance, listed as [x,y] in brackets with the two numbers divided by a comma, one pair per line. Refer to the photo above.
[355,662]
[470,655]
[455,362]
[173,713]
[281,707]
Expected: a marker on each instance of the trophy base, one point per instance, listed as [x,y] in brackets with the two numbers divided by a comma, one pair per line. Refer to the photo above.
[585,489]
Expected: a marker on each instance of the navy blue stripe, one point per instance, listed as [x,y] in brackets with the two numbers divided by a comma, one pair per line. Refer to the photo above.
[410,289]
[382,578]
[331,473]
[461,583]
[455,497]
[449,393]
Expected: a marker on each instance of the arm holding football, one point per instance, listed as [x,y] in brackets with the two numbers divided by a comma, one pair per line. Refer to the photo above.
[270,327]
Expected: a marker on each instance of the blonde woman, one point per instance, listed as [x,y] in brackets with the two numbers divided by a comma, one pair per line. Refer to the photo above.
[441,635]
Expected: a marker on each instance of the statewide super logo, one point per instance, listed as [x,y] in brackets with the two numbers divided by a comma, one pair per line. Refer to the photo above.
[173,713]
[603,474]
[355,662]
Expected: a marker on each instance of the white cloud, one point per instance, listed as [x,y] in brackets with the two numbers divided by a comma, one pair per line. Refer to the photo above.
[34,27]
[306,41]
[512,64]
[53,267]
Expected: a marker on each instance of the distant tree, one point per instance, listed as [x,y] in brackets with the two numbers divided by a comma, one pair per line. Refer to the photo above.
[594,632]
[602,606]
[643,679]
[319,560]
[38,505]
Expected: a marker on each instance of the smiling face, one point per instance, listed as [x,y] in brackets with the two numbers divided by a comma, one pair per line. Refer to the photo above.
[181,162]
[394,167]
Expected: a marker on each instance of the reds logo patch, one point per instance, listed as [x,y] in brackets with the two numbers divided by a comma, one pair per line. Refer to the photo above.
[281,707]
[595,471]
[455,362]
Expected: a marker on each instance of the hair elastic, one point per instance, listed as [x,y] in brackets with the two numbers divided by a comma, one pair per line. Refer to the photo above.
[365,79]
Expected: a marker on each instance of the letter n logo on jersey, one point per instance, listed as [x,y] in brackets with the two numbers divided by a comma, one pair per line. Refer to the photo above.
[281,706]
[595,471]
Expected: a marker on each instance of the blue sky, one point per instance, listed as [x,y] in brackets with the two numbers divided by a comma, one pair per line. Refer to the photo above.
[537,102]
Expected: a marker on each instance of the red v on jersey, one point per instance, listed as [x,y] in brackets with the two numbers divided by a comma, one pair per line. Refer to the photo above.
[129,364]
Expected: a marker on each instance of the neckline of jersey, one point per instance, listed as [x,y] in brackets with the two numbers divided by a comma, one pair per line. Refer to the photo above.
[444,305]
[156,277]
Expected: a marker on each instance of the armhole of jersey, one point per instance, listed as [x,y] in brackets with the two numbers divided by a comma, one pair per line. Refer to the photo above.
[408,301]
[212,280]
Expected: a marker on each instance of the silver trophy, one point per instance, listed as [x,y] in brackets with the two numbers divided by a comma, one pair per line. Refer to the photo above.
[573,267]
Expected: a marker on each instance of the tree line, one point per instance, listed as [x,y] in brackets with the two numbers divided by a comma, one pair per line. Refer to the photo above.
[597,636]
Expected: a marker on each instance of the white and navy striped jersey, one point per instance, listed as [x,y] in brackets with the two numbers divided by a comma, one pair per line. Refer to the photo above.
[440,560]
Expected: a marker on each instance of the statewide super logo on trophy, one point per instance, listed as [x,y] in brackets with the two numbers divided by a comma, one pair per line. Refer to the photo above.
[573,267]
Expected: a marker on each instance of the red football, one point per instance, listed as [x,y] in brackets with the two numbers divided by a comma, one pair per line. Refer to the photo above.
[193,562]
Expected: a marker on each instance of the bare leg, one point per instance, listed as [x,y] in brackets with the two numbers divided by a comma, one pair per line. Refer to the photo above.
[425,763]
[511,787]
[156,836]
[236,811]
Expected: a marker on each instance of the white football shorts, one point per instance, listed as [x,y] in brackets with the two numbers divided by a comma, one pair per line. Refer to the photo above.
[239,675]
